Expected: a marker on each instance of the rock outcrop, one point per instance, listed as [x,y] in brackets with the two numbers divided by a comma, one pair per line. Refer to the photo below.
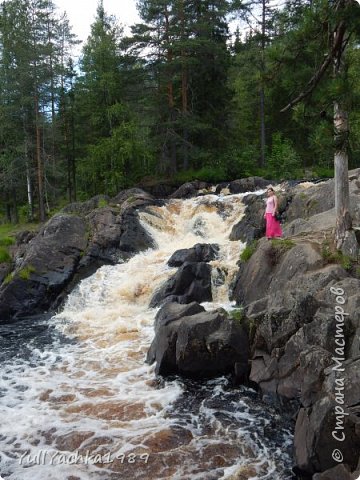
[70,246]
[198,344]
[289,293]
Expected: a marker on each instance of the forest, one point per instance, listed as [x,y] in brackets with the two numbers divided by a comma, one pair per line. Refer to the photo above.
[183,96]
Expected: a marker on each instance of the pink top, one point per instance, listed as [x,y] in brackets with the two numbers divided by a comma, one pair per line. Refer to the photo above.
[270,204]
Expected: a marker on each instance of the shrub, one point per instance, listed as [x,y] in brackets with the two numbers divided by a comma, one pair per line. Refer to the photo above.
[284,162]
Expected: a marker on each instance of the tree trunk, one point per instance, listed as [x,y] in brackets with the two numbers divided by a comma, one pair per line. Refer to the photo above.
[345,238]
[29,189]
[39,163]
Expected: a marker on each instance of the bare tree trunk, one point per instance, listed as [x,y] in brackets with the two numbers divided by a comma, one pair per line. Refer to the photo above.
[28,179]
[39,163]
[345,238]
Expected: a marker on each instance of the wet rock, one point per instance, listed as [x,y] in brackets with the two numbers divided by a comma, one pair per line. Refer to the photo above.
[192,282]
[202,345]
[201,252]
[70,247]
[48,265]
[173,311]
[250,184]
[252,225]
[134,238]
[189,189]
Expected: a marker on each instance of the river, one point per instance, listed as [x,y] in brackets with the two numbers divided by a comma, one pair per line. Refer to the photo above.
[78,401]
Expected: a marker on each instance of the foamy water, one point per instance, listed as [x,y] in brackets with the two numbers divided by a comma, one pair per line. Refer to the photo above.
[86,406]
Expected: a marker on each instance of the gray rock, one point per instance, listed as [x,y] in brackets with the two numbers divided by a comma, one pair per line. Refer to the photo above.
[173,311]
[249,184]
[310,201]
[201,252]
[203,345]
[189,190]
[83,208]
[48,265]
[252,224]
[314,440]
[192,282]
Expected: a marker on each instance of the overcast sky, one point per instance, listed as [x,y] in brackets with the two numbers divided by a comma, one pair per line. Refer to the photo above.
[81,13]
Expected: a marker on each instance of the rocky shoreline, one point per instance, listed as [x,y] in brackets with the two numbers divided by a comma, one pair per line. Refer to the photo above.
[295,334]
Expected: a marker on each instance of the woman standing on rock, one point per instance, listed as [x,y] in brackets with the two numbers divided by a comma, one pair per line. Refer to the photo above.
[273,227]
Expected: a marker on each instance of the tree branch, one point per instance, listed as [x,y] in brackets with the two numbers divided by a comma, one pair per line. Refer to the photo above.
[337,46]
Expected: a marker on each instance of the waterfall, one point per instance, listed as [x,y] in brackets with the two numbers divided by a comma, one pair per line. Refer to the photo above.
[84,405]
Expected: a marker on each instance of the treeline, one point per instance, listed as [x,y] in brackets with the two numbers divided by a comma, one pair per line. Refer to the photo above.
[180,98]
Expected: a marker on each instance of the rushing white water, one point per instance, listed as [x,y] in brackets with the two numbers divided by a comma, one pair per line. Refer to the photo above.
[88,392]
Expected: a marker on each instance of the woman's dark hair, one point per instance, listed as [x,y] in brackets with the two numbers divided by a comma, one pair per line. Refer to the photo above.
[270,188]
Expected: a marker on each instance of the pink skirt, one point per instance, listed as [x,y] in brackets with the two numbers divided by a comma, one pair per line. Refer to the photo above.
[273,227]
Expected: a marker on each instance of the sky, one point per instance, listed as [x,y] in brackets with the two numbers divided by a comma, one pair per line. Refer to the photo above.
[81,13]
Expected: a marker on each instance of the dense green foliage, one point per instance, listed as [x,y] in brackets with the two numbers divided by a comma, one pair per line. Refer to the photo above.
[177,98]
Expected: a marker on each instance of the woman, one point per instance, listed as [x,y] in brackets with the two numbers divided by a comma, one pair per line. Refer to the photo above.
[273,227]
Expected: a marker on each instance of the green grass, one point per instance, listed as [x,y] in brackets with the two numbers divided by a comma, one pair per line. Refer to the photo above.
[246,254]
[4,255]
[7,241]
[102,203]
[8,278]
[283,244]
[25,273]
[237,315]
[330,255]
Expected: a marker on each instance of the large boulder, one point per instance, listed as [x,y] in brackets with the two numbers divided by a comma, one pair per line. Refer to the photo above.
[47,266]
[189,189]
[201,252]
[168,313]
[249,184]
[192,282]
[200,345]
